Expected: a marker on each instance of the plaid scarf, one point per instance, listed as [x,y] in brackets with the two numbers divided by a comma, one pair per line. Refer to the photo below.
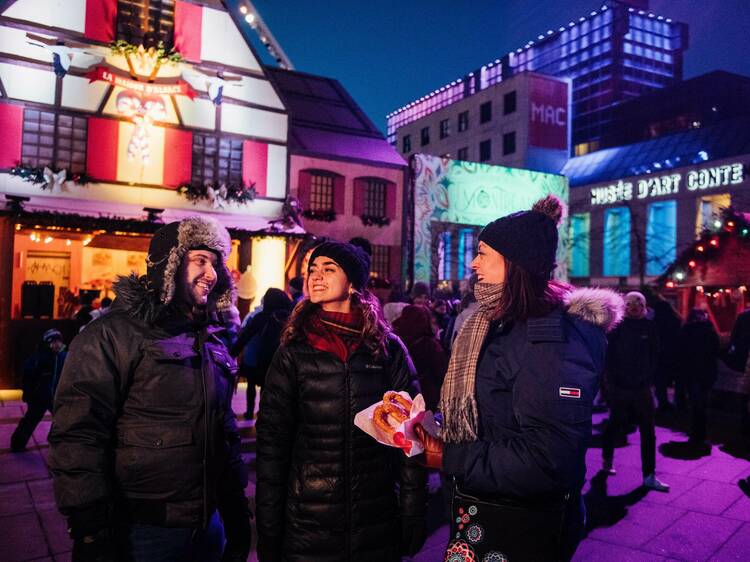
[458,401]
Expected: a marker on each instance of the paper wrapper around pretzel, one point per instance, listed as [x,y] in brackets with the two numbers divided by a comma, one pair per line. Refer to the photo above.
[404,437]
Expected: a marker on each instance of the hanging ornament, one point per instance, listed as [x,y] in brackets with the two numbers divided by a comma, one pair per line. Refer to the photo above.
[54,180]
[143,111]
[214,85]
[63,53]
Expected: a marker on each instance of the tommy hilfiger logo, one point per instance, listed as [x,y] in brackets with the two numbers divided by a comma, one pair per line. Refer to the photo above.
[566,392]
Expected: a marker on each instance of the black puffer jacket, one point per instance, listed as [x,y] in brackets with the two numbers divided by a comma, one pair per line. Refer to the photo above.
[326,490]
[143,421]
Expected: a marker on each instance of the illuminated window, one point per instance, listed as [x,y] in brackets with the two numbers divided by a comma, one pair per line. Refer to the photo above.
[445,128]
[463,121]
[146,22]
[375,190]
[485,150]
[580,244]
[55,140]
[466,251]
[406,143]
[381,261]
[463,153]
[444,252]
[661,236]
[617,242]
[424,136]
[216,160]
[509,143]
[321,192]
[485,112]
[709,210]
[509,102]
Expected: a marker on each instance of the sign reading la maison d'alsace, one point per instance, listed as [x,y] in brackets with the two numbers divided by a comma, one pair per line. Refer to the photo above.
[668,184]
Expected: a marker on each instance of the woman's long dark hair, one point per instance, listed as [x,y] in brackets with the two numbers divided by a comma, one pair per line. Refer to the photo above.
[375,331]
[527,296]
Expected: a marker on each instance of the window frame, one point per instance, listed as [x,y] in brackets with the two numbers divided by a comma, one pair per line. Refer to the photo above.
[381,261]
[406,143]
[325,186]
[463,154]
[463,121]
[510,99]
[485,145]
[222,170]
[375,197]
[52,157]
[424,136]
[157,24]
[509,143]
[485,112]
[445,128]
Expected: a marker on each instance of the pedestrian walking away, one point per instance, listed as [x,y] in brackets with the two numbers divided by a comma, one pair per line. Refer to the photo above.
[632,359]
[41,373]
[517,397]
[325,489]
[144,448]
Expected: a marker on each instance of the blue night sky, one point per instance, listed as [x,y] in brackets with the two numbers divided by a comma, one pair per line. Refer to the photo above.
[388,53]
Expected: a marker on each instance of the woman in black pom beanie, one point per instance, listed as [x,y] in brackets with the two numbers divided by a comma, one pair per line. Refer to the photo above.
[516,401]
[326,490]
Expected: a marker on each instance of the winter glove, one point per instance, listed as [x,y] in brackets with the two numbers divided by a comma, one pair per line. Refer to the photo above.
[413,535]
[237,530]
[269,549]
[433,449]
[100,547]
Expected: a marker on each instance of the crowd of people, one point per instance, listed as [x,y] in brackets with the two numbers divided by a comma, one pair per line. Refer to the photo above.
[145,449]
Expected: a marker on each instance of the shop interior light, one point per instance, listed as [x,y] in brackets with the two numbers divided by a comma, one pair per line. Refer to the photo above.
[48,240]
[87,241]
[68,242]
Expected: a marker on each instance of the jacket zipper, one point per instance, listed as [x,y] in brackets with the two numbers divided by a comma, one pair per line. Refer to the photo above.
[347,460]
[205,430]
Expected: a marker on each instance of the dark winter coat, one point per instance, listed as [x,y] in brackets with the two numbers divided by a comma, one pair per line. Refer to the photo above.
[536,381]
[699,352]
[633,354]
[326,490]
[143,420]
[41,373]
[416,330]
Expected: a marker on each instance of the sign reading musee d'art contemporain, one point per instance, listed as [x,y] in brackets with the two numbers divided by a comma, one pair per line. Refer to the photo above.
[699,179]
[469,193]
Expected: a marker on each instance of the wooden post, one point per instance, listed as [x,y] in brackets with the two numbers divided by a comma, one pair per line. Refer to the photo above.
[7,235]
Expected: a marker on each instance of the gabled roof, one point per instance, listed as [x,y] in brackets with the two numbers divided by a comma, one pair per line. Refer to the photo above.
[721,140]
[326,121]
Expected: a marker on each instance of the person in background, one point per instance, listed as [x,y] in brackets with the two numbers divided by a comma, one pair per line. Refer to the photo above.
[668,324]
[468,308]
[144,448]
[260,338]
[699,351]
[516,401]
[326,490]
[40,375]
[443,315]
[738,359]
[632,357]
[416,328]
[296,291]
[421,294]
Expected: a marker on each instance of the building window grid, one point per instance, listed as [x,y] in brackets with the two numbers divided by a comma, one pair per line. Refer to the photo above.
[381,261]
[375,194]
[509,143]
[445,128]
[54,139]
[321,192]
[216,160]
[146,22]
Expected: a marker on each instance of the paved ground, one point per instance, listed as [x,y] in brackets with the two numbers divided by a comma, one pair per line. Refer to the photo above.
[704,517]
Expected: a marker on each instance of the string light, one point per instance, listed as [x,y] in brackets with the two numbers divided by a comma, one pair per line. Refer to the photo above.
[692,263]
[243,10]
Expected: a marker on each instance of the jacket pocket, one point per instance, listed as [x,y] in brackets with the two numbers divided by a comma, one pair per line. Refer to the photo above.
[157,437]
[223,359]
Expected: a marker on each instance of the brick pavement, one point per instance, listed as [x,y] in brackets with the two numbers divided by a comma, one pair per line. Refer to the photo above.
[705,517]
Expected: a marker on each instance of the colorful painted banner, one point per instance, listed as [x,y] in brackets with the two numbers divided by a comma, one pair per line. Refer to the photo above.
[176,88]
[468,193]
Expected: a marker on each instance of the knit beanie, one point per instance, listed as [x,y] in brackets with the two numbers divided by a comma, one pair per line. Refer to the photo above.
[172,242]
[420,289]
[528,238]
[352,259]
[52,334]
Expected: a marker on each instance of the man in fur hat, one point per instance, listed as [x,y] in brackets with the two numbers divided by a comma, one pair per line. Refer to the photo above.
[144,448]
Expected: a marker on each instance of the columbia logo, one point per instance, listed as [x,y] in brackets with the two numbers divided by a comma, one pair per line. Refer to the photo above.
[371,366]
[566,392]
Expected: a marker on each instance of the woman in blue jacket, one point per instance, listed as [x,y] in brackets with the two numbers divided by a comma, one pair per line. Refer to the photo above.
[516,401]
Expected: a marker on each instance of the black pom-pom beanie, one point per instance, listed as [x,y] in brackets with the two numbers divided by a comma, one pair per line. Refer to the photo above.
[352,259]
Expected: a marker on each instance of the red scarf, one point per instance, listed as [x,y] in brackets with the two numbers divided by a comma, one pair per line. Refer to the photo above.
[339,333]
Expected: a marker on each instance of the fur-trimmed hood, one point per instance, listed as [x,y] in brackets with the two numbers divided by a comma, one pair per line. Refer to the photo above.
[601,307]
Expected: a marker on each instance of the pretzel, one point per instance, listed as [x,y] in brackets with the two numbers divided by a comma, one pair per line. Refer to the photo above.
[395,398]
